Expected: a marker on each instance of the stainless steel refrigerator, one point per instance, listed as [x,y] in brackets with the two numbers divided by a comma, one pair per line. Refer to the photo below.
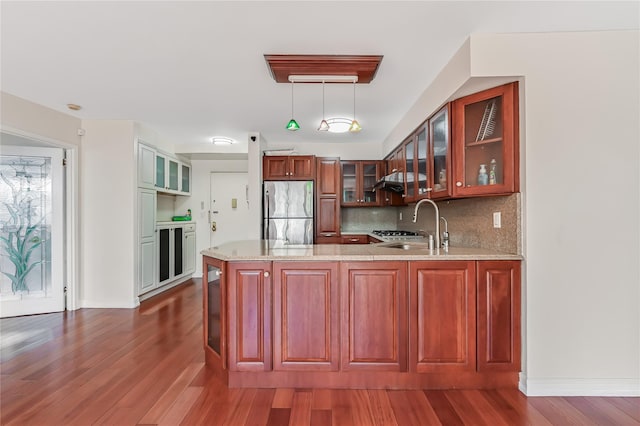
[288,211]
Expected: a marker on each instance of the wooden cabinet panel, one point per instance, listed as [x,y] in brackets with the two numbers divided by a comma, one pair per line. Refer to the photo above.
[374,316]
[499,316]
[294,167]
[305,314]
[249,316]
[302,167]
[275,167]
[442,316]
[327,220]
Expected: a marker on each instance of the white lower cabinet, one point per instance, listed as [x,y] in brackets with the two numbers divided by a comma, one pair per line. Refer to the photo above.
[176,251]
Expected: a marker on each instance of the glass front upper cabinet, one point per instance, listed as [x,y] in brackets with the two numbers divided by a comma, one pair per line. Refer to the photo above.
[440,152]
[173,175]
[185,179]
[370,176]
[160,171]
[410,170]
[486,142]
[349,187]
[423,181]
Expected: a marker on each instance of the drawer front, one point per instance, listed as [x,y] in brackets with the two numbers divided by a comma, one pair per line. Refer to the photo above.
[355,239]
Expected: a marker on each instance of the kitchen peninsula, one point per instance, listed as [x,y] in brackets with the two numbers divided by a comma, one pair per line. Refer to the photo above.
[385,315]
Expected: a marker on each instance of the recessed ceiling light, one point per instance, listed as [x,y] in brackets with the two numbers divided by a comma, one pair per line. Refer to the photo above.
[339,124]
[74,107]
[222,140]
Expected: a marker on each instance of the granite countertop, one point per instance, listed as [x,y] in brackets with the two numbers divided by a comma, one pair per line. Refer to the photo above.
[270,250]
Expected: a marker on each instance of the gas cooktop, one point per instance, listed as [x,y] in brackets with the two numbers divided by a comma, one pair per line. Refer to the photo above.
[396,234]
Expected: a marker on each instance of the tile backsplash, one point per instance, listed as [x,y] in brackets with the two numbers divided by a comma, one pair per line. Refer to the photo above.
[366,219]
[470,221]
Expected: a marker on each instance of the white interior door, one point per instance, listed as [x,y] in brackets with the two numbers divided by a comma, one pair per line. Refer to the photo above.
[31,230]
[228,217]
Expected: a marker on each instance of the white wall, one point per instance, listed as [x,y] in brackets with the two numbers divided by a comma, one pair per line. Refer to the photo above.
[580,110]
[107,202]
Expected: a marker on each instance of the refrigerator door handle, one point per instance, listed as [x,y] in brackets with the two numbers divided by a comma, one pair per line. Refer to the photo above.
[266,230]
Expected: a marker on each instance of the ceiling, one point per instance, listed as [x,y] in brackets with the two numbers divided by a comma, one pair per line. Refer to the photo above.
[193,70]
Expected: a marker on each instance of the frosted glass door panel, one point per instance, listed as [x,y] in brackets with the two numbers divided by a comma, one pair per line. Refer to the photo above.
[31,221]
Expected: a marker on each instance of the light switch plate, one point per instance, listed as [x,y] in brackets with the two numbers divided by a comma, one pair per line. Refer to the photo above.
[497,220]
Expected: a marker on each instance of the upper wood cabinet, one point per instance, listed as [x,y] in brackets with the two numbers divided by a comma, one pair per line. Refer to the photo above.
[395,166]
[327,220]
[305,316]
[373,305]
[291,167]
[443,316]
[358,180]
[499,315]
[485,138]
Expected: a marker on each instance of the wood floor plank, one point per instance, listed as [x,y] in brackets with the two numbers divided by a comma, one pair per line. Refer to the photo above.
[283,398]
[412,408]
[340,408]
[560,412]
[180,407]
[177,387]
[443,408]
[321,399]
[361,407]
[381,410]
[465,409]
[301,409]
[261,407]
[521,403]
[279,417]
[600,411]
[237,414]
[321,417]
[630,406]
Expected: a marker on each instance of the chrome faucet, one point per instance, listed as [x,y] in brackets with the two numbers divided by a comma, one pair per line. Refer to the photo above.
[445,234]
[435,206]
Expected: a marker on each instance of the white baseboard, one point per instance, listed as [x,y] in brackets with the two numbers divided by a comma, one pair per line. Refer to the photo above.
[579,387]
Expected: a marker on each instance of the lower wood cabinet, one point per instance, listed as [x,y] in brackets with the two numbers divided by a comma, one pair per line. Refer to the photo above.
[433,321]
[442,316]
[498,339]
[373,305]
[249,316]
[305,316]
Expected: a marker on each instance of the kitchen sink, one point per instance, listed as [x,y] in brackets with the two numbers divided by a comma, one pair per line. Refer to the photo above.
[405,245]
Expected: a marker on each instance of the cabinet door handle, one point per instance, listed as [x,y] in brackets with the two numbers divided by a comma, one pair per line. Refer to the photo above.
[354,240]
[266,274]
[458,184]
[328,234]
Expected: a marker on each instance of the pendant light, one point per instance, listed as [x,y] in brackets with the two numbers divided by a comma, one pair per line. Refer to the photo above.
[355,126]
[292,124]
[324,126]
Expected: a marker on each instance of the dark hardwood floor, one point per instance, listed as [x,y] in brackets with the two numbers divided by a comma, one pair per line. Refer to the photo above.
[145,366]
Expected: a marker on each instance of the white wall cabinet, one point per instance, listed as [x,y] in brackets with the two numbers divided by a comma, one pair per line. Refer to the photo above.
[146,240]
[146,166]
[172,176]
[190,249]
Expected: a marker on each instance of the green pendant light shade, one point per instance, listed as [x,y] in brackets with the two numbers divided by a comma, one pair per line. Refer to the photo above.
[292,124]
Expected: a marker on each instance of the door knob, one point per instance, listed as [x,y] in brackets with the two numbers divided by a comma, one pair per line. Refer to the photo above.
[213,226]
[266,274]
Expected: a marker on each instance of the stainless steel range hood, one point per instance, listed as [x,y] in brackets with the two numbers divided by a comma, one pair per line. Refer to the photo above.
[392,182]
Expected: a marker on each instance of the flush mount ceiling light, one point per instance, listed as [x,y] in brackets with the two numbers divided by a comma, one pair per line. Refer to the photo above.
[222,140]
